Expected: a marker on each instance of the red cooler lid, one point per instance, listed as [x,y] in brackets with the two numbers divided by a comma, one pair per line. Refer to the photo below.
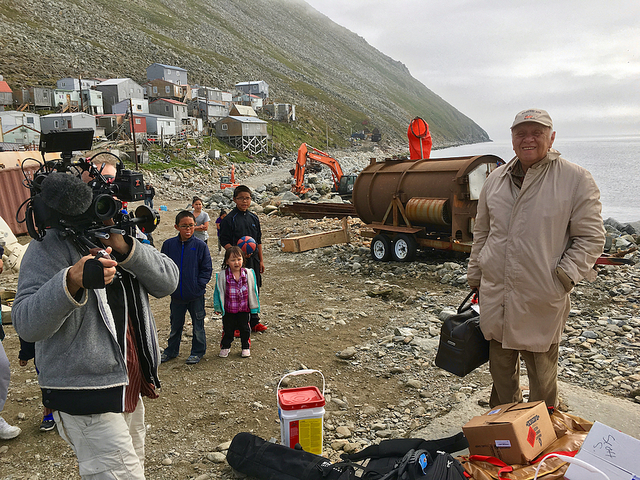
[298,398]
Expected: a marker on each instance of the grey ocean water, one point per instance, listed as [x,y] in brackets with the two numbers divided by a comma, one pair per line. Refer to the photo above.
[612,160]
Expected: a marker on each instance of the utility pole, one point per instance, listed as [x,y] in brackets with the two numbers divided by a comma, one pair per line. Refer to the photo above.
[81,99]
[133,133]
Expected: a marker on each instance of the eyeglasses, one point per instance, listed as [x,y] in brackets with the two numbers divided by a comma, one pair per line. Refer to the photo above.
[185,227]
[243,199]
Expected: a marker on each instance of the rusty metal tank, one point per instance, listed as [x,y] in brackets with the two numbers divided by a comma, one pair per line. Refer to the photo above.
[439,194]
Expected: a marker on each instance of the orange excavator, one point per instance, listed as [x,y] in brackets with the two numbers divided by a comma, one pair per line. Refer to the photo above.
[229,182]
[343,184]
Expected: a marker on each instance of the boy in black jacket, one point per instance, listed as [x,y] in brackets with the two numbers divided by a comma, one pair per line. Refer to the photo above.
[237,224]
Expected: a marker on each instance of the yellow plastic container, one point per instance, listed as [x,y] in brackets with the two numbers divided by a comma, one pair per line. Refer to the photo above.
[301,412]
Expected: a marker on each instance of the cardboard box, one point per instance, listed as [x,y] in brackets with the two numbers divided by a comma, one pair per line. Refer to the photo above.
[610,451]
[515,433]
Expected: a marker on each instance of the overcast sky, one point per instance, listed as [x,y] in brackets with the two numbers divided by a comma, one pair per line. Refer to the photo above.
[578,59]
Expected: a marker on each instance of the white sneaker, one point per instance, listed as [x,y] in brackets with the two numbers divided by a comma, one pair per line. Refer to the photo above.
[224,352]
[245,353]
[7,432]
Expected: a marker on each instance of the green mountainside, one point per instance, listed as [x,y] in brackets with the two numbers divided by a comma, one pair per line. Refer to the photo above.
[334,76]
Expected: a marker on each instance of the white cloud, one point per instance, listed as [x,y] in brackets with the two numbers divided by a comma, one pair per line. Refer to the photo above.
[580,59]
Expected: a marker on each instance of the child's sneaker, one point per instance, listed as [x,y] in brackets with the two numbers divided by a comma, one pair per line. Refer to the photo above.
[245,353]
[48,423]
[224,352]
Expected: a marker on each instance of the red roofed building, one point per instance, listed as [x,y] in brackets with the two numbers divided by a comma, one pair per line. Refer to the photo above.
[6,95]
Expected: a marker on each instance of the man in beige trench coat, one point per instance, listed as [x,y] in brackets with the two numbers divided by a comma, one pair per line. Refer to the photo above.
[538,232]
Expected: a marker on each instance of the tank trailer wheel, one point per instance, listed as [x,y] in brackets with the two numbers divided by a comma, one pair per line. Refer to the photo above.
[404,247]
[381,248]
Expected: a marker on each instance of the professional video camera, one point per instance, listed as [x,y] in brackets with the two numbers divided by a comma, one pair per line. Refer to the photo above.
[75,197]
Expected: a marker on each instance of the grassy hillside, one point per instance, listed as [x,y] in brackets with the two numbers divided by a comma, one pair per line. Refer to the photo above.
[330,73]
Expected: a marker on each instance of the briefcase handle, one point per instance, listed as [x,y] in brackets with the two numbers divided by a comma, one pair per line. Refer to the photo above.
[469,298]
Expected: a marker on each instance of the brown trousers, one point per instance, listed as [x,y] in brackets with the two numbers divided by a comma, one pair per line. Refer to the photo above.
[542,370]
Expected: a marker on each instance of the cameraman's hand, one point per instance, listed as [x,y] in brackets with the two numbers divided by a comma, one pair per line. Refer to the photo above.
[117,243]
[75,273]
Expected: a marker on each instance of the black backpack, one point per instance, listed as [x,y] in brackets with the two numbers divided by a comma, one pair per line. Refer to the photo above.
[412,459]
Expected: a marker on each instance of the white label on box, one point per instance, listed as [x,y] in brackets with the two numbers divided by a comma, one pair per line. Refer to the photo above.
[493,412]
[503,443]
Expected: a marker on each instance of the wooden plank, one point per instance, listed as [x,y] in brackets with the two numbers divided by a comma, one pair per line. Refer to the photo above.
[317,240]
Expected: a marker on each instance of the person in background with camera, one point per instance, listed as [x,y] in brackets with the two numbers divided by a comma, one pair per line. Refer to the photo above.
[538,232]
[96,341]
[7,432]
[202,220]
[192,257]
[238,223]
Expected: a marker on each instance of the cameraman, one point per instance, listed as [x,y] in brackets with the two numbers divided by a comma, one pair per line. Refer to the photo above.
[97,349]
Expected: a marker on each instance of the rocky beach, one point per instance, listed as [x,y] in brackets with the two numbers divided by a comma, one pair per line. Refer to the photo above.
[372,328]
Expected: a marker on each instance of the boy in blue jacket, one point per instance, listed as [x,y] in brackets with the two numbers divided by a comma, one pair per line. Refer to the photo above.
[192,257]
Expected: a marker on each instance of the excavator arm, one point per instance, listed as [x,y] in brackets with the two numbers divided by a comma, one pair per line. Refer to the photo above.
[319,156]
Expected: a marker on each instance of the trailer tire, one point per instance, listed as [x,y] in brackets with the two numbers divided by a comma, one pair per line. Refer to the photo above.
[404,247]
[381,248]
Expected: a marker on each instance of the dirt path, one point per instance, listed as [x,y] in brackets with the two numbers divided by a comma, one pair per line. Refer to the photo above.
[312,312]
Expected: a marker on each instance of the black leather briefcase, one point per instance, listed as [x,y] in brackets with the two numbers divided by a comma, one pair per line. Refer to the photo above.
[462,346]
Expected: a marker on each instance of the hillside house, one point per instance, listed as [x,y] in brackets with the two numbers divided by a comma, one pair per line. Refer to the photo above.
[168,73]
[37,97]
[116,90]
[6,95]
[139,106]
[209,111]
[242,111]
[66,100]
[160,125]
[170,108]
[259,88]
[92,102]
[248,100]
[20,127]
[118,126]
[213,95]
[281,112]
[67,121]
[243,133]
[76,83]
[162,89]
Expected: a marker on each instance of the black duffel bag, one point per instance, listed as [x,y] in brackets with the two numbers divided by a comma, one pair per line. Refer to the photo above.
[462,347]
[264,460]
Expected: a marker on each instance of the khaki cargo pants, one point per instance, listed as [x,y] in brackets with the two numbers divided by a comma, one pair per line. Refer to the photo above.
[542,370]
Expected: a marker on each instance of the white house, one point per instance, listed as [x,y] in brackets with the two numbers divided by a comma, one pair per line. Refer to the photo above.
[67,121]
[160,125]
[140,105]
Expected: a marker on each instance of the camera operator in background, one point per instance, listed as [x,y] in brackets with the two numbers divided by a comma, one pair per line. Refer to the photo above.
[106,164]
[97,345]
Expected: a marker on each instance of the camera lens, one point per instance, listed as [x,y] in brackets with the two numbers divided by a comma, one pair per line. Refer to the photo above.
[105,206]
